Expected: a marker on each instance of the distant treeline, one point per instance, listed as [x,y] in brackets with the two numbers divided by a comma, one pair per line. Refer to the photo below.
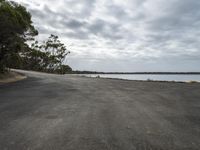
[154,73]
[19,49]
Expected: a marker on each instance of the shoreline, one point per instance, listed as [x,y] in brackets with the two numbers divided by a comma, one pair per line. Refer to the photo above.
[147,80]
[23,72]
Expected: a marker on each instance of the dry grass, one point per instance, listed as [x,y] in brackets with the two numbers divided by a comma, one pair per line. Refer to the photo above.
[11,77]
[192,82]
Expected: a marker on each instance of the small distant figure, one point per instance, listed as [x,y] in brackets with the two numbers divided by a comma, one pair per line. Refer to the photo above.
[149,80]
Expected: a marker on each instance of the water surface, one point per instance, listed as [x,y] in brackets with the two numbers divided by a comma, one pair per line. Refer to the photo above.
[178,77]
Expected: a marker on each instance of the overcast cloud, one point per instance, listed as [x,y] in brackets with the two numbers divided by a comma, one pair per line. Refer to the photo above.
[123,35]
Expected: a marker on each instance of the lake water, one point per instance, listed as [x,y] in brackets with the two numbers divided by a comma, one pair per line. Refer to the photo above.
[181,78]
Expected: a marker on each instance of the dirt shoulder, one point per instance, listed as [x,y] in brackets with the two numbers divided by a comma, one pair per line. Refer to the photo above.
[11,77]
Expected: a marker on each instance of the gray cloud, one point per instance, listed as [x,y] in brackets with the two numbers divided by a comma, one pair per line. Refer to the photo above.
[124,33]
[74,23]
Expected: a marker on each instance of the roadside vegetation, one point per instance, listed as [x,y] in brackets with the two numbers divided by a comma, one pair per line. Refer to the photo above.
[20,50]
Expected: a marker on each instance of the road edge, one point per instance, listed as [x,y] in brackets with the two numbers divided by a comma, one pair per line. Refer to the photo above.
[12,76]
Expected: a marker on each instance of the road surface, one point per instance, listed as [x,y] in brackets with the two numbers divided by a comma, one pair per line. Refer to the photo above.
[55,112]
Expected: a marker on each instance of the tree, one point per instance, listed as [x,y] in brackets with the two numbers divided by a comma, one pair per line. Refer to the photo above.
[47,57]
[64,69]
[57,51]
[15,29]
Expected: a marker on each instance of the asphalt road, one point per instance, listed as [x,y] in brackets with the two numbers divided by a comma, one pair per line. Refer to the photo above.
[54,112]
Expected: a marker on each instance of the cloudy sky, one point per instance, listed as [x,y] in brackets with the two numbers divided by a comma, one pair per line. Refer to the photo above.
[123,35]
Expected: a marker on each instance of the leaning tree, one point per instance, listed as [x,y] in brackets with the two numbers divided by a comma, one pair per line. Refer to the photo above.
[15,29]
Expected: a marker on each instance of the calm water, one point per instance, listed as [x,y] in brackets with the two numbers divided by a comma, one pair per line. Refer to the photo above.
[149,77]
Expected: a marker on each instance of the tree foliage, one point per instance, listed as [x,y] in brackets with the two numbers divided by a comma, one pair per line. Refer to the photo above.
[47,57]
[15,30]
